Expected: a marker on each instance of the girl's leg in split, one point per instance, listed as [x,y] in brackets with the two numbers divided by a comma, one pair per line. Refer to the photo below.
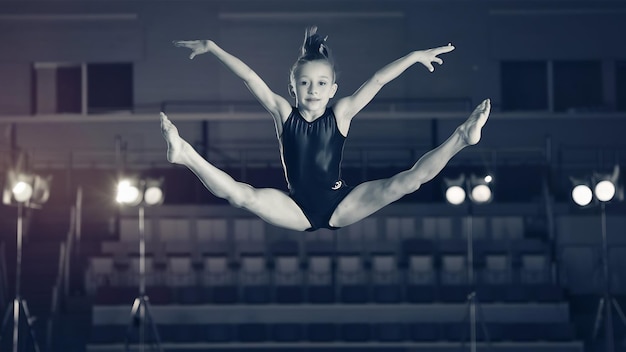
[371,196]
[271,205]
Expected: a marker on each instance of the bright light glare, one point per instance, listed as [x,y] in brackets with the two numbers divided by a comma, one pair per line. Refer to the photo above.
[488,178]
[455,195]
[481,193]
[582,195]
[127,193]
[153,195]
[604,191]
[22,191]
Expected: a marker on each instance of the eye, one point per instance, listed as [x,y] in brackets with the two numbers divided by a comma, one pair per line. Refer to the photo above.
[303,83]
[322,83]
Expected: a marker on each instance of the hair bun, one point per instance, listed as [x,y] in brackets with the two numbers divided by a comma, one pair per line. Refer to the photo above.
[314,45]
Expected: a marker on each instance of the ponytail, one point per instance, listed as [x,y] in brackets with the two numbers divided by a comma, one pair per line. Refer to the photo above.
[313,48]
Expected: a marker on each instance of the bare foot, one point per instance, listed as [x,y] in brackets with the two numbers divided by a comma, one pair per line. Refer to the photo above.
[175,144]
[471,128]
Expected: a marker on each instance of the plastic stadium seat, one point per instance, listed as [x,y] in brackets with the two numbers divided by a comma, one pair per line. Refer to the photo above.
[211,230]
[108,295]
[99,273]
[289,294]
[102,334]
[189,295]
[352,280]
[225,294]
[560,332]
[544,293]
[288,280]
[425,332]
[219,333]
[386,280]
[154,276]
[287,332]
[129,231]
[319,278]
[252,332]
[174,230]
[539,331]
[284,247]
[220,279]
[248,230]
[421,284]
[181,333]
[180,272]
[254,280]
[159,295]
[390,332]
[460,331]
[497,269]
[439,227]
[507,227]
[321,294]
[321,332]
[355,332]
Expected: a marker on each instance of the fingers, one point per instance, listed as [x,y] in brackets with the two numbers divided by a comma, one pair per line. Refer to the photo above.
[190,44]
[444,49]
[183,43]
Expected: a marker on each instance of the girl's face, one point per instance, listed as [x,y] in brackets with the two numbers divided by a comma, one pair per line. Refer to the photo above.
[313,85]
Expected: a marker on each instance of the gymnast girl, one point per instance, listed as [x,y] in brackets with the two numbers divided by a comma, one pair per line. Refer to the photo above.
[311,137]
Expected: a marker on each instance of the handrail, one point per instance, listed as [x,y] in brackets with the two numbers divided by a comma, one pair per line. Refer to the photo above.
[61,286]
[379,105]
[55,305]
[3,277]
[263,154]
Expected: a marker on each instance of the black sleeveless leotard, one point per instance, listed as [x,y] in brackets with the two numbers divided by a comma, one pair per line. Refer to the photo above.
[311,153]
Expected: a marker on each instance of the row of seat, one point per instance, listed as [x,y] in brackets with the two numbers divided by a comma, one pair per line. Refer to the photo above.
[389,228]
[330,332]
[417,264]
[328,294]
[514,249]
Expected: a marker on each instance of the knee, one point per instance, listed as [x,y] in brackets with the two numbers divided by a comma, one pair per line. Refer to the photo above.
[398,187]
[242,198]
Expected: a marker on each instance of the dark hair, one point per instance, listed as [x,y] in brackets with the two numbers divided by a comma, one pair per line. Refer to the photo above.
[314,48]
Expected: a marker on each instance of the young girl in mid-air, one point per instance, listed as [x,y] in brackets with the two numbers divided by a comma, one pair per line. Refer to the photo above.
[311,135]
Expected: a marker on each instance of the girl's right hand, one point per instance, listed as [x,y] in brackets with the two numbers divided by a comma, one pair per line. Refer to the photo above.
[197,46]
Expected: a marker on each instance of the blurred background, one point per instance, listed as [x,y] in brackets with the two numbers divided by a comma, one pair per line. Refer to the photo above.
[521,267]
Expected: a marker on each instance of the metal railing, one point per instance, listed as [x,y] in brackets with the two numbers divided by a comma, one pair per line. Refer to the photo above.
[4,281]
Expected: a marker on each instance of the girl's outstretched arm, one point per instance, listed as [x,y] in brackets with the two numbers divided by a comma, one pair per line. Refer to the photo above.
[278,106]
[346,108]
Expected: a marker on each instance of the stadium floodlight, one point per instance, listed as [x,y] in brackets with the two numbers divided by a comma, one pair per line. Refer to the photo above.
[455,190]
[480,189]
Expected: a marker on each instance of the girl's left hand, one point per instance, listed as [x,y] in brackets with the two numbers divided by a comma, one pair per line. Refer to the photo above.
[427,57]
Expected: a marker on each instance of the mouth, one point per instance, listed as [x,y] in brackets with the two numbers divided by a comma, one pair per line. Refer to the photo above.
[312,99]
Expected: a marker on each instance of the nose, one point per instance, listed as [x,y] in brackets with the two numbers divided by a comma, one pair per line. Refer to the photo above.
[312,90]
